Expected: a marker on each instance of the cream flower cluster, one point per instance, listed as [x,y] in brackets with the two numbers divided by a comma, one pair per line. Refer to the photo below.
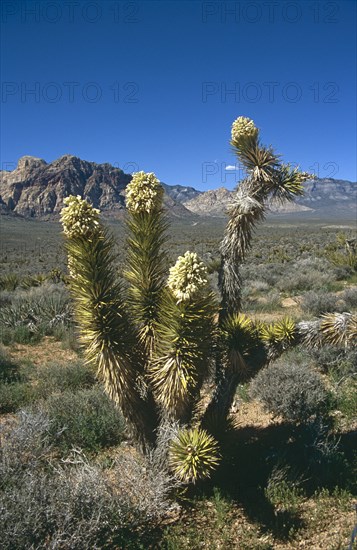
[187,276]
[78,217]
[144,193]
[243,127]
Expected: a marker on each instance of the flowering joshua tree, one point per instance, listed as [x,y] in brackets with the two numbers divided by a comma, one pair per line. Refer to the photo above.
[157,336]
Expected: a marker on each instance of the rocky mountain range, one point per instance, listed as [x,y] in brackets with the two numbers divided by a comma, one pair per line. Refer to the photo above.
[37,189]
[322,197]
[216,202]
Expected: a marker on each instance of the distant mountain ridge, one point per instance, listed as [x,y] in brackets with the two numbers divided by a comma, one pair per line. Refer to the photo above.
[326,196]
[216,202]
[323,197]
[37,189]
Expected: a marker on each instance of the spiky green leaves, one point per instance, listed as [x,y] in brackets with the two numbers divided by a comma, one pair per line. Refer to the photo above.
[146,258]
[193,455]
[106,331]
[182,356]
[282,331]
[187,277]
[278,336]
[79,218]
[288,183]
[144,193]
[239,337]
[181,361]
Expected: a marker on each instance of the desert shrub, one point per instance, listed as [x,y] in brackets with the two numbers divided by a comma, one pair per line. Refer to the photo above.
[270,301]
[342,272]
[9,370]
[5,298]
[35,312]
[282,492]
[336,361]
[323,458]
[86,419]
[75,508]
[28,334]
[350,298]
[267,273]
[297,282]
[346,400]
[146,483]
[75,504]
[295,392]
[15,395]
[68,336]
[15,389]
[25,443]
[33,280]
[306,274]
[21,334]
[242,393]
[6,336]
[9,282]
[317,303]
[58,378]
[259,286]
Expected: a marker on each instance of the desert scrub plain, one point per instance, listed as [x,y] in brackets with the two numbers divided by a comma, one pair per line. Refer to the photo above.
[211,404]
[70,476]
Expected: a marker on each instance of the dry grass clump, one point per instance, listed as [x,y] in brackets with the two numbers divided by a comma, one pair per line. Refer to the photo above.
[75,503]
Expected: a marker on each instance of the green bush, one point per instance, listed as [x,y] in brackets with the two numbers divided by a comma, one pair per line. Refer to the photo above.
[86,419]
[267,273]
[271,301]
[347,401]
[350,298]
[29,314]
[15,395]
[58,378]
[6,336]
[283,494]
[335,361]
[295,392]
[9,371]
[342,273]
[21,334]
[9,282]
[67,336]
[317,303]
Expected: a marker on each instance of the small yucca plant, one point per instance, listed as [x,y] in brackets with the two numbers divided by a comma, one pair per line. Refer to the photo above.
[278,336]
[193,455]
[239,336]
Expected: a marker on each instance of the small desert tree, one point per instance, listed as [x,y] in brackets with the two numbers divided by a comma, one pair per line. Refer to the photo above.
[159,334]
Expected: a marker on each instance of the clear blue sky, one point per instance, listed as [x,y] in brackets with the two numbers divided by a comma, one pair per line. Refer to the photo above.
[149,85]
